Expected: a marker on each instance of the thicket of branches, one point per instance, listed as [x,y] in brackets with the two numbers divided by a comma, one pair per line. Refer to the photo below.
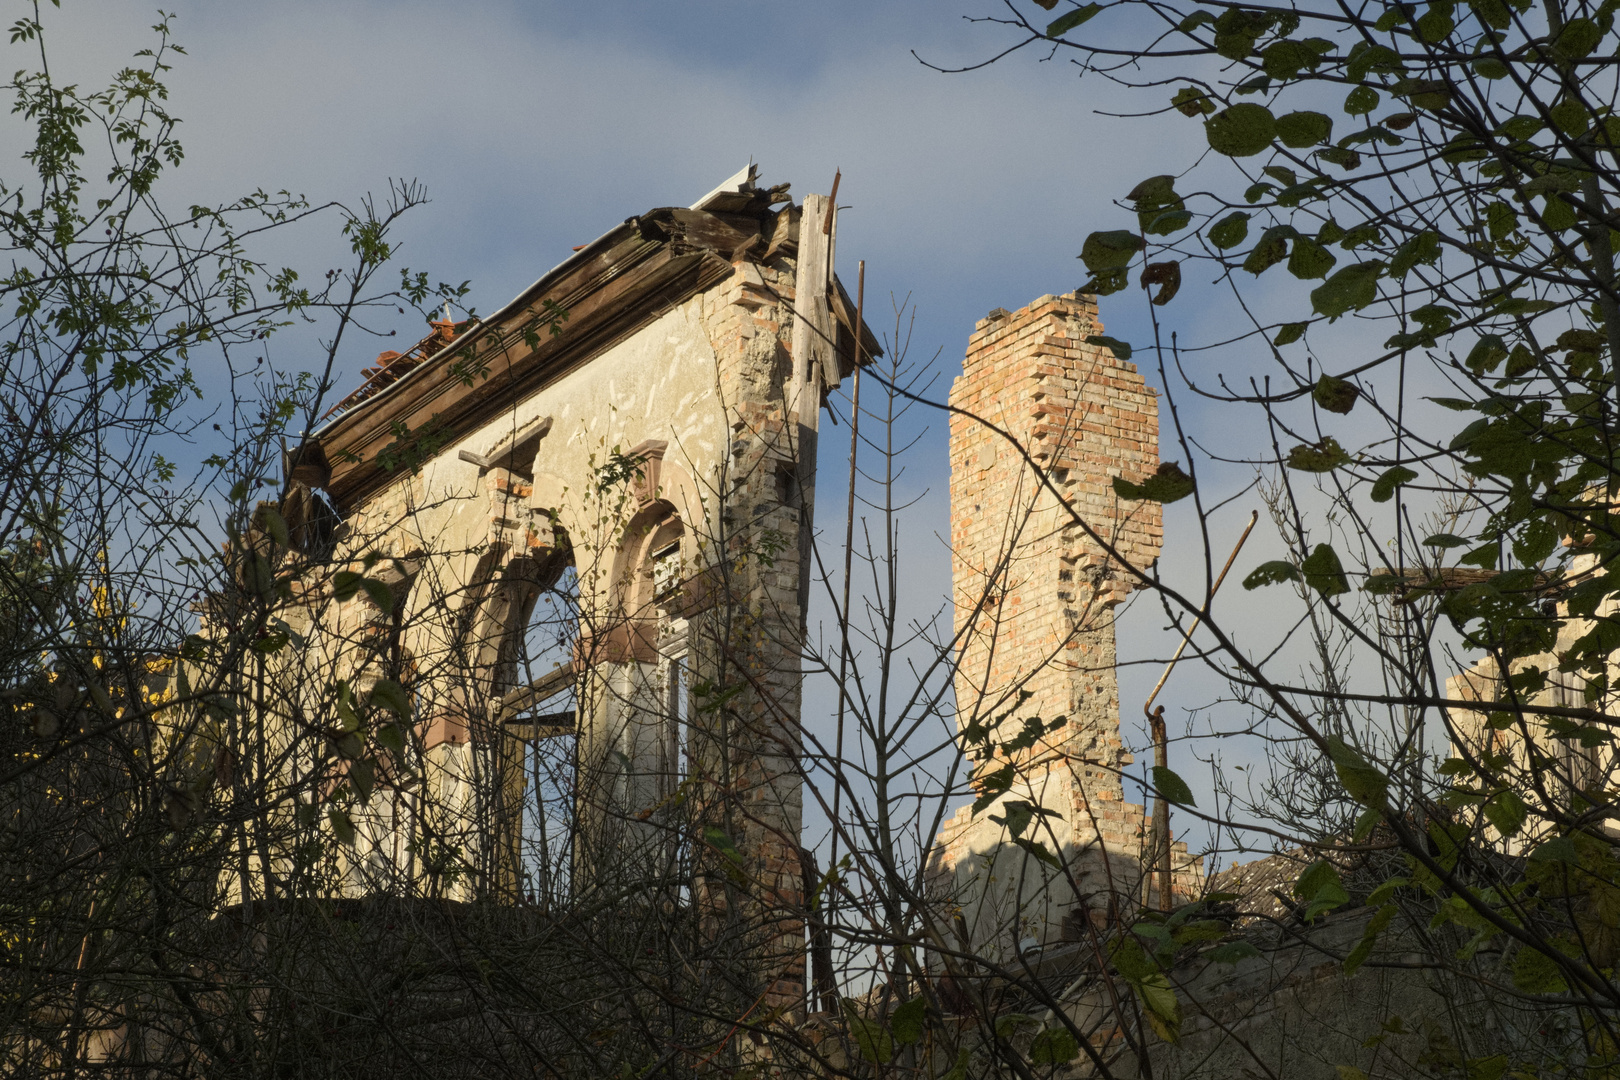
[1411,211]
[182,895]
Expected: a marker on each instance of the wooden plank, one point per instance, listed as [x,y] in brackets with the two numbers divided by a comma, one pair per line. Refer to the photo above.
[812,320]
[524,698]
[537,428]
[549,726]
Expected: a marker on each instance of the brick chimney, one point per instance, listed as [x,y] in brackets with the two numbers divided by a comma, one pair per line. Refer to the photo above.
[1034,595]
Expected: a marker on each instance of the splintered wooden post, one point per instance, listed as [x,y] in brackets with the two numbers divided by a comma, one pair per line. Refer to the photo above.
[1161,739]
[1161,810]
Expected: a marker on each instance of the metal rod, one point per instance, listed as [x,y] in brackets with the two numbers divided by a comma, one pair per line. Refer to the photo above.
[1161,738]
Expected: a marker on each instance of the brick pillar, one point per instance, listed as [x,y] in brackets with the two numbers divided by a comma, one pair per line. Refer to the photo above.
[1034,594]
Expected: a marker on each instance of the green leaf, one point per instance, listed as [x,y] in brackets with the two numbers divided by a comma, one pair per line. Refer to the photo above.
[871,1038]
[1320,457]
[1431,94]
[1534,972]
[1007,1024]
[1361,100]
[1163,1008]
[272,643]
[1486,354]
[1321,888]
[345,583]
[1107,282]
[1302,129]
[1323,571]
[1191,101]
[1385,890]
[275,525]
[1507,812]
[1436,24]
[379,593]
[1423,248]
[1232,952]
[362,776]
[1570,116]
[1271,249]
[1283,60]
[1463,148]
[1365,784]
[392,696]
[1121,349]
[1578,38]
[391,737]
[1241,130]
[1054,1046]
[1071,19]
[1350,289]
[1334,394]
[1500,220]
[1445,540]
[1560,849]
[716,838]
[1493,13]
[1383,488]
[1172,787]
[1310,259]
[1369,938]
[1230,231]
[1289,333]
[1365,823]
[1168,485]
[342,827]
[909,1021]
[1344,159]
[1319,878]
[1110,250]
[1271,573]
[1557,214]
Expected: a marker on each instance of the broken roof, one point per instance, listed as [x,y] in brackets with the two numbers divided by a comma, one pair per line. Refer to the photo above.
[609,289]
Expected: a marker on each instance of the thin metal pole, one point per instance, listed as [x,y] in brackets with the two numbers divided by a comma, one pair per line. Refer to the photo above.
[1161,738]
[849,552]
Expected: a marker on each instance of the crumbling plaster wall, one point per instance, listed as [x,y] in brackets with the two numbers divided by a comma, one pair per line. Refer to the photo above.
[698,401]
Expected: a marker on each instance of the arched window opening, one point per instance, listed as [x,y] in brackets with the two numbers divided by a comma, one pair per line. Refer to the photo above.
[539,712]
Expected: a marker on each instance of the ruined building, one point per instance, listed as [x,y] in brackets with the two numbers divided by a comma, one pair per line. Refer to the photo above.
[1035,597]
[577,527]
[567,545]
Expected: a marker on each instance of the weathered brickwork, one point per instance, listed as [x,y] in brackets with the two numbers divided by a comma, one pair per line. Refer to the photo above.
[1046,422]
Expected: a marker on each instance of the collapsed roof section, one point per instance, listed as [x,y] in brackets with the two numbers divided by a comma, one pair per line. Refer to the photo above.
[462,375]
